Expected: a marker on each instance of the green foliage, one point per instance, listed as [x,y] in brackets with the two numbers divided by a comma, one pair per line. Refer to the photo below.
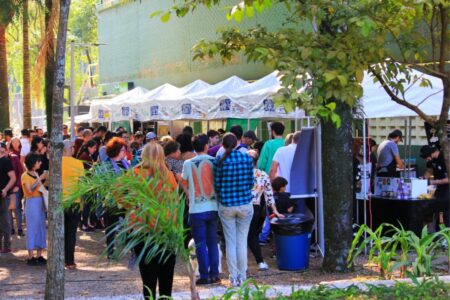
[383,249]
[8,10]
[153,214]
[330,44]
[248,290]
[426,289]
[391,247]
[83,21]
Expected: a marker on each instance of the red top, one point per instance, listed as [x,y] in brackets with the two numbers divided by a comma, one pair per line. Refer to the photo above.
[18,168]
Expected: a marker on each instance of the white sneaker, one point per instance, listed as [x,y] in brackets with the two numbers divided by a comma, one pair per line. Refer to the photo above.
[263,266]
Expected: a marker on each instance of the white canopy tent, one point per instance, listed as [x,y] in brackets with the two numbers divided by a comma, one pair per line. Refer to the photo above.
[212,94]
[376,103]
[170,103]
[105,110]
[86,118]
[258,90]
[228,108]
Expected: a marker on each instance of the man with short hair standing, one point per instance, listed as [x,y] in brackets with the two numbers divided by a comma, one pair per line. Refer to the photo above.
[7,180]
[271,146]
[389,156]
[437,174]
[248,139]
[198,177]
[283,159]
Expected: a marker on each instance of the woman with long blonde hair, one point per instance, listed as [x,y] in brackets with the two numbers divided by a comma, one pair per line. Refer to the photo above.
[154,161]
[160,269]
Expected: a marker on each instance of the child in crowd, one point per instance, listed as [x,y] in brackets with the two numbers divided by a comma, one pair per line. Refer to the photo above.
[282,199]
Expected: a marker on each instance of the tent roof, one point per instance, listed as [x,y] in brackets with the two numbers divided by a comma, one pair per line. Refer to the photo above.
[377,103]
[268,84]
[194,87]
[132,94]
[221,88]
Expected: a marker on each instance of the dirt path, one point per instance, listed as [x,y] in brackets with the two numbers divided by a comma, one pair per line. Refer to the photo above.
[100,278]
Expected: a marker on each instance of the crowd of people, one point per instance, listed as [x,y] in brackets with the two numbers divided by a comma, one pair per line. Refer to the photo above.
[232,183]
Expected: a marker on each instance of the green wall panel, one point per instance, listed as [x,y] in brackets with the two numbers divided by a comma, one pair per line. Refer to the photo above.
[150,53]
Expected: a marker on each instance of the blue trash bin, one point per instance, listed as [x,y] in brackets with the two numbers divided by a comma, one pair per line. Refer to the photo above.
[292,241]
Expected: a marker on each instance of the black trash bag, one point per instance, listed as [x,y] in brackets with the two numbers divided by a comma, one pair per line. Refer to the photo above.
[292,224]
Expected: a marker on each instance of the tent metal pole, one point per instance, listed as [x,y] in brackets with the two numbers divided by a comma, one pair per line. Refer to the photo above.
[171,128]
[319,217]
[363,178]
[248,124]
[409,147]
[405,143]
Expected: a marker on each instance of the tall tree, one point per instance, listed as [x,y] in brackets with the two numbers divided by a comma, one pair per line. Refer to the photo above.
[49,60]
[8,9]
[326,46]
[4,91]
[54,287]
[26,68]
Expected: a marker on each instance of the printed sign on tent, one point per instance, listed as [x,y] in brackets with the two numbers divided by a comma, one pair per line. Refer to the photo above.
[186,109]
[103,114]
[268,105]
[281,109]
[126,111]
[154,110]
[225,105]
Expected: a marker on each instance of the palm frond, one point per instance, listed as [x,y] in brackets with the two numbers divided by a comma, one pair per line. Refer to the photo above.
[154,213]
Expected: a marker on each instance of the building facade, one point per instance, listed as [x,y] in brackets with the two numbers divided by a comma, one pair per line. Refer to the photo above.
[144,51]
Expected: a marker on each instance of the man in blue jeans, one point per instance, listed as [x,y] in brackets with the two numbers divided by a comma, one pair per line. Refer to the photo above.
[198,177]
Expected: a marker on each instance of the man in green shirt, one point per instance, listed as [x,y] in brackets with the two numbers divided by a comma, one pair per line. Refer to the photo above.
[271,146]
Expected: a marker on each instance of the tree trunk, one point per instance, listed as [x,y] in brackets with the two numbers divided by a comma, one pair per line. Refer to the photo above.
[442,124]
[54,287]
[337,184]
[26,68]
[49,65]
[4,91]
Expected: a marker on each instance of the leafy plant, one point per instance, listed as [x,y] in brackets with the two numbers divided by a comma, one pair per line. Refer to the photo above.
[248,290]
[383,249]
[153,213]
[391,248]
[445,233]
[425,249]
[431,288]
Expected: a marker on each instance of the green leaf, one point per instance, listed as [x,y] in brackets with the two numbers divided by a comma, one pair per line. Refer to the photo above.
[237,13]
[342,80]
[306,52]
[359,75]
[263,51]
[329,76]
[336,119]
[249,11]
[156,13]
[366,28]
[166,17]
[331,106]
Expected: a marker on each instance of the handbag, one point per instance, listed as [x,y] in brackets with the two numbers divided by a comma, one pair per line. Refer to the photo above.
[44,194]
[12,202]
